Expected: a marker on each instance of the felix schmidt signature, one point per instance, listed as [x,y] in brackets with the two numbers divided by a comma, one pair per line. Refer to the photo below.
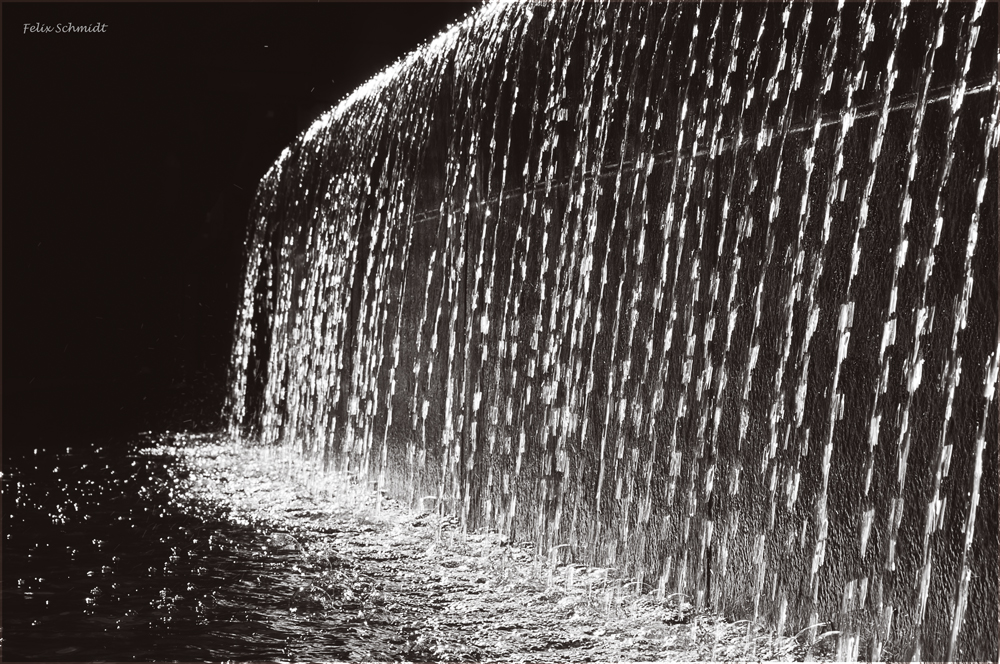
[64,27]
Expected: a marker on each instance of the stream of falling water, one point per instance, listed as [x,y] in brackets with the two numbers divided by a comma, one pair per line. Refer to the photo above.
[704,292]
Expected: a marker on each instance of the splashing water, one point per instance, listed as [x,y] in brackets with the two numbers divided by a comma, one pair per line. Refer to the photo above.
[704,291]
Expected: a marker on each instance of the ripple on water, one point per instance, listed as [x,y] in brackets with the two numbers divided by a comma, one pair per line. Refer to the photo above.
[106,560]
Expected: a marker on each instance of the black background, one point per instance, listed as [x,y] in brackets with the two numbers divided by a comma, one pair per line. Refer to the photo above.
[130,158]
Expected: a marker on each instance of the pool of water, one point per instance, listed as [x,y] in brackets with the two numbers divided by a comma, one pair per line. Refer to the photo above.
[195,547]
[107,558]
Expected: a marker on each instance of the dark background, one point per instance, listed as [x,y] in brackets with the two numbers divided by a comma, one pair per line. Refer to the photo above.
[130,159]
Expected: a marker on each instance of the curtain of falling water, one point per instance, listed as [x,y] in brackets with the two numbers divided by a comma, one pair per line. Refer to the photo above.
[704,292]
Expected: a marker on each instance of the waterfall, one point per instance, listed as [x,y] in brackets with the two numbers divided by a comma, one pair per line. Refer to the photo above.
[705,292]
